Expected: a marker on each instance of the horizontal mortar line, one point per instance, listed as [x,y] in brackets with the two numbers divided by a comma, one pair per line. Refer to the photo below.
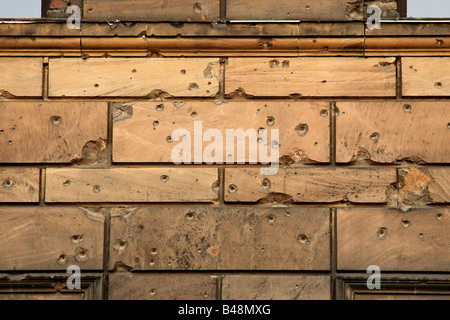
[148,165]
[235,205]
[226,272]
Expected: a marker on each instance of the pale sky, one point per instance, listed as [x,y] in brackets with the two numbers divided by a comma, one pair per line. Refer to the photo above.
[416,8]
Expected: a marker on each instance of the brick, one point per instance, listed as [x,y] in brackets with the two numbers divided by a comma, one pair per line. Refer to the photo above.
[19,185]
[393,240]
[420,186]
[306,77]
[310,185]
[21,77]
[50,238]
[58,4]
[134,77]
[161,287]
[52,132]
[140,127]
[305,10]
[426,76]
[131,185]
[208,238]
[274,287]
[142,10]
[386,132]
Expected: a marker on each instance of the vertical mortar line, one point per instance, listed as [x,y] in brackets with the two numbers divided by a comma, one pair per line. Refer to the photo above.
[221,186]
[223,11]
[219,287]
[333,115]
[109,134]
[399,87]
[364,29]
[223,61]
[45,79]
[42,174]
[333,249]
[106,240]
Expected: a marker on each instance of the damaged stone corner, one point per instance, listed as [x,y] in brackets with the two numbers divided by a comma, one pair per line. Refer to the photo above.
[125,214]
[413,187]
[95,153]
[96,214]
[122,111]
[212,70]
[276,198]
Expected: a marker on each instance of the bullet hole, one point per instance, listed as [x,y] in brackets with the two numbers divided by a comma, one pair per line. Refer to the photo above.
[382,233]
[274,63]
[285,64]
[214,251]
[271,219]
[198,7]
[164,178]
[232,188]
[324,113]
[154,251]
[406,223]
[260,140]
[193,114]
[303,239]
[375,136]
[307,7]
[209,83]
[155,123]
[316,144]
[62,259]
[96,189]
[439,216]
[275,144]
[439,42]
[287,214]
[438,85]
[169,139]
[421,236]
[270,121]
[190,216]
[302,129]
[324,81]
[205,295]
[66,183]
[448,125]
[10,142]
[77,238]
[8,183]
[215,187]
[96,85]
[179,104]
[183,72]
[407,108]
[81,254]
[160,107]
[193,86]
[169,264]
[152,292]
[120,245]
[152,262]
[266,184]
[90,10]
[2,131]
[56,120]
[133,71]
